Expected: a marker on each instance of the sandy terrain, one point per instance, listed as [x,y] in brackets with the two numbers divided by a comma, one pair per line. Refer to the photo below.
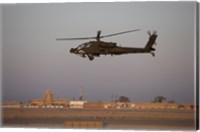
[112,119]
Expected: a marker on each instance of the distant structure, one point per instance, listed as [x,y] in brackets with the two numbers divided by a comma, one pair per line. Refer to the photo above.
[81,94]
[48,99]
[78,103]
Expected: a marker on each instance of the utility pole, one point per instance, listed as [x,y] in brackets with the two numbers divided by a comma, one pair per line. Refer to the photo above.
[112,98]
[81,94]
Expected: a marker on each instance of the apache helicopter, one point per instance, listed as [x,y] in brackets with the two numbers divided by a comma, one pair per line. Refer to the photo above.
[96,48]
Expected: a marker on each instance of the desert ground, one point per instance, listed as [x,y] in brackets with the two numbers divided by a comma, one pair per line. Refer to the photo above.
[137,119]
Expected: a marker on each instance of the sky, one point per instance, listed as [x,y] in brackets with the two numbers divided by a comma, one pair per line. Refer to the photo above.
[33,60]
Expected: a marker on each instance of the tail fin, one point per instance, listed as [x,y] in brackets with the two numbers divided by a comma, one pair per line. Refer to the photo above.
[152,41]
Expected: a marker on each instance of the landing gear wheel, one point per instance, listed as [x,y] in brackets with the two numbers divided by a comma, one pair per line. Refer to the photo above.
[90,56]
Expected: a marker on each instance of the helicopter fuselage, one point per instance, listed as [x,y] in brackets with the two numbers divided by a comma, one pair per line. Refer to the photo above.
[96,48]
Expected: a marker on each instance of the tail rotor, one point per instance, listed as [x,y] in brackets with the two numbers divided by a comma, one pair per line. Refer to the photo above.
[153,33]
[149,33]
[152,41]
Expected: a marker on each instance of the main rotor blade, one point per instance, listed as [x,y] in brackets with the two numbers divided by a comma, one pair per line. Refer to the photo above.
[75,38]
[98,35]
[120,33]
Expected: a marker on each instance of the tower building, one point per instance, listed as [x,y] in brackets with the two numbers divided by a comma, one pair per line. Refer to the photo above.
[81,94]
[48,99]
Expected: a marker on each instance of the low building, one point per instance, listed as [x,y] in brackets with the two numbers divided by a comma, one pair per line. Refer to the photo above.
[11,104]
[94,105]
[48,100]
[150,105]
[77,103]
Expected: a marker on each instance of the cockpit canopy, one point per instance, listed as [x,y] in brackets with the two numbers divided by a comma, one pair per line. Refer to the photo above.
[84,45]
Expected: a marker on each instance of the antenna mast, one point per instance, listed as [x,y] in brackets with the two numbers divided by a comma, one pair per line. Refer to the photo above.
[81,94]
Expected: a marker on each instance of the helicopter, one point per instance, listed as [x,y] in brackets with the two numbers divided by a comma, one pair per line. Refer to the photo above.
[96,48]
